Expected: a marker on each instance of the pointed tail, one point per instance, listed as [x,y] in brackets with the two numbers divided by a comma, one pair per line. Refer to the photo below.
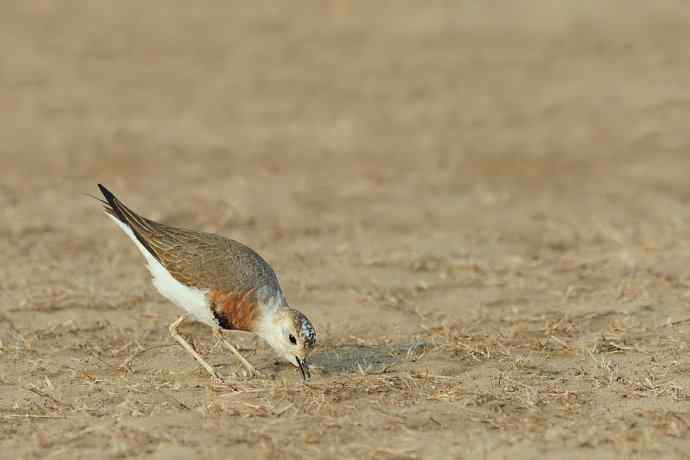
[140,226]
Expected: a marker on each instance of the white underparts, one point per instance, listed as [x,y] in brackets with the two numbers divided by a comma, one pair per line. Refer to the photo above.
[192,300]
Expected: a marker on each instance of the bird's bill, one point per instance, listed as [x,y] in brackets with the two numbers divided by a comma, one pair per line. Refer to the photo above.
[304,368]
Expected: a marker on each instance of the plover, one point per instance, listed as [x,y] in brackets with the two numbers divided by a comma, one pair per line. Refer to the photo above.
[219,282]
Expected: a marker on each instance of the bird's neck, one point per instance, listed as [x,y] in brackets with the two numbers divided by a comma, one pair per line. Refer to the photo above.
[268,324]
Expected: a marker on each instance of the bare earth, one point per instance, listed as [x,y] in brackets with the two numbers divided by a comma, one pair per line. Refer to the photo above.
[484,207]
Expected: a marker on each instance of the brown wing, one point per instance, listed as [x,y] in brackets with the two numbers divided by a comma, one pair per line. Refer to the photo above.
[202,260]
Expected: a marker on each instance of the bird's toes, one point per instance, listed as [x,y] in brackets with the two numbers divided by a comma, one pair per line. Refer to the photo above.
[249,373]
[218,379]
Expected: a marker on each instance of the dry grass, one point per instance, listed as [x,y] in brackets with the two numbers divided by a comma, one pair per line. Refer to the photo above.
[484,210]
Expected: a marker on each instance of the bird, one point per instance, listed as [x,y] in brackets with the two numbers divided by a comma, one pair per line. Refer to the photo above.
[219,282]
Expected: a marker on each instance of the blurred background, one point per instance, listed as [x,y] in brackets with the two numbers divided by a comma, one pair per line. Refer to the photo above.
[222,89]
[406,166]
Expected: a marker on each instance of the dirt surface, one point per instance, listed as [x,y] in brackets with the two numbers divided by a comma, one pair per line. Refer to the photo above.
[484,207]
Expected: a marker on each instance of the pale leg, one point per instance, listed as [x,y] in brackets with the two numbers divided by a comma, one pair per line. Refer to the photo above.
[247,365]
[175,335]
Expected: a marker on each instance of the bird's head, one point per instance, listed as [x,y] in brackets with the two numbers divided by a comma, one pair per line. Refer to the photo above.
[291,335]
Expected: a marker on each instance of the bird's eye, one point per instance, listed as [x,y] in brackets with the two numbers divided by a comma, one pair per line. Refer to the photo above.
[293,340]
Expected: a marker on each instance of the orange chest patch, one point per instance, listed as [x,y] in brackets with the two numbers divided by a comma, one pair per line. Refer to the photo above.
[235,311]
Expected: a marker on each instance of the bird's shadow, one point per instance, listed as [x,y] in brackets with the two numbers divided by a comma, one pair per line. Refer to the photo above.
[362,359]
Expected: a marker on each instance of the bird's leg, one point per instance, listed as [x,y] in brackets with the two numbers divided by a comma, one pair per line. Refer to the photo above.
[247,365]
[179,339]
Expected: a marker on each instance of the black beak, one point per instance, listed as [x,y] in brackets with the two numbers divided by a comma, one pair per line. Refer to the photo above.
[304,367]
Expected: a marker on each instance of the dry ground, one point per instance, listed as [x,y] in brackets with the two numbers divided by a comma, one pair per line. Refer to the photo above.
[483,206]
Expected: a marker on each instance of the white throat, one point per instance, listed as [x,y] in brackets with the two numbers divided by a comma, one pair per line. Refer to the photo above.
[271,329]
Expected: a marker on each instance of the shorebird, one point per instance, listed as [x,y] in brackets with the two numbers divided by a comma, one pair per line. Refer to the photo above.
[219,282]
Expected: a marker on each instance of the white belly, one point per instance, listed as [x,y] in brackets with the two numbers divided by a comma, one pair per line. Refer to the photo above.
[192,300]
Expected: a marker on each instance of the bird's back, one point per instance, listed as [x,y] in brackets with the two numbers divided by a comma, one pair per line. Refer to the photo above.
[201,260]
[210,261]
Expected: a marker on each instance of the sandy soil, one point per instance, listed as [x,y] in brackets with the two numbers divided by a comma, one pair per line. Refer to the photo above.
[483,206]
